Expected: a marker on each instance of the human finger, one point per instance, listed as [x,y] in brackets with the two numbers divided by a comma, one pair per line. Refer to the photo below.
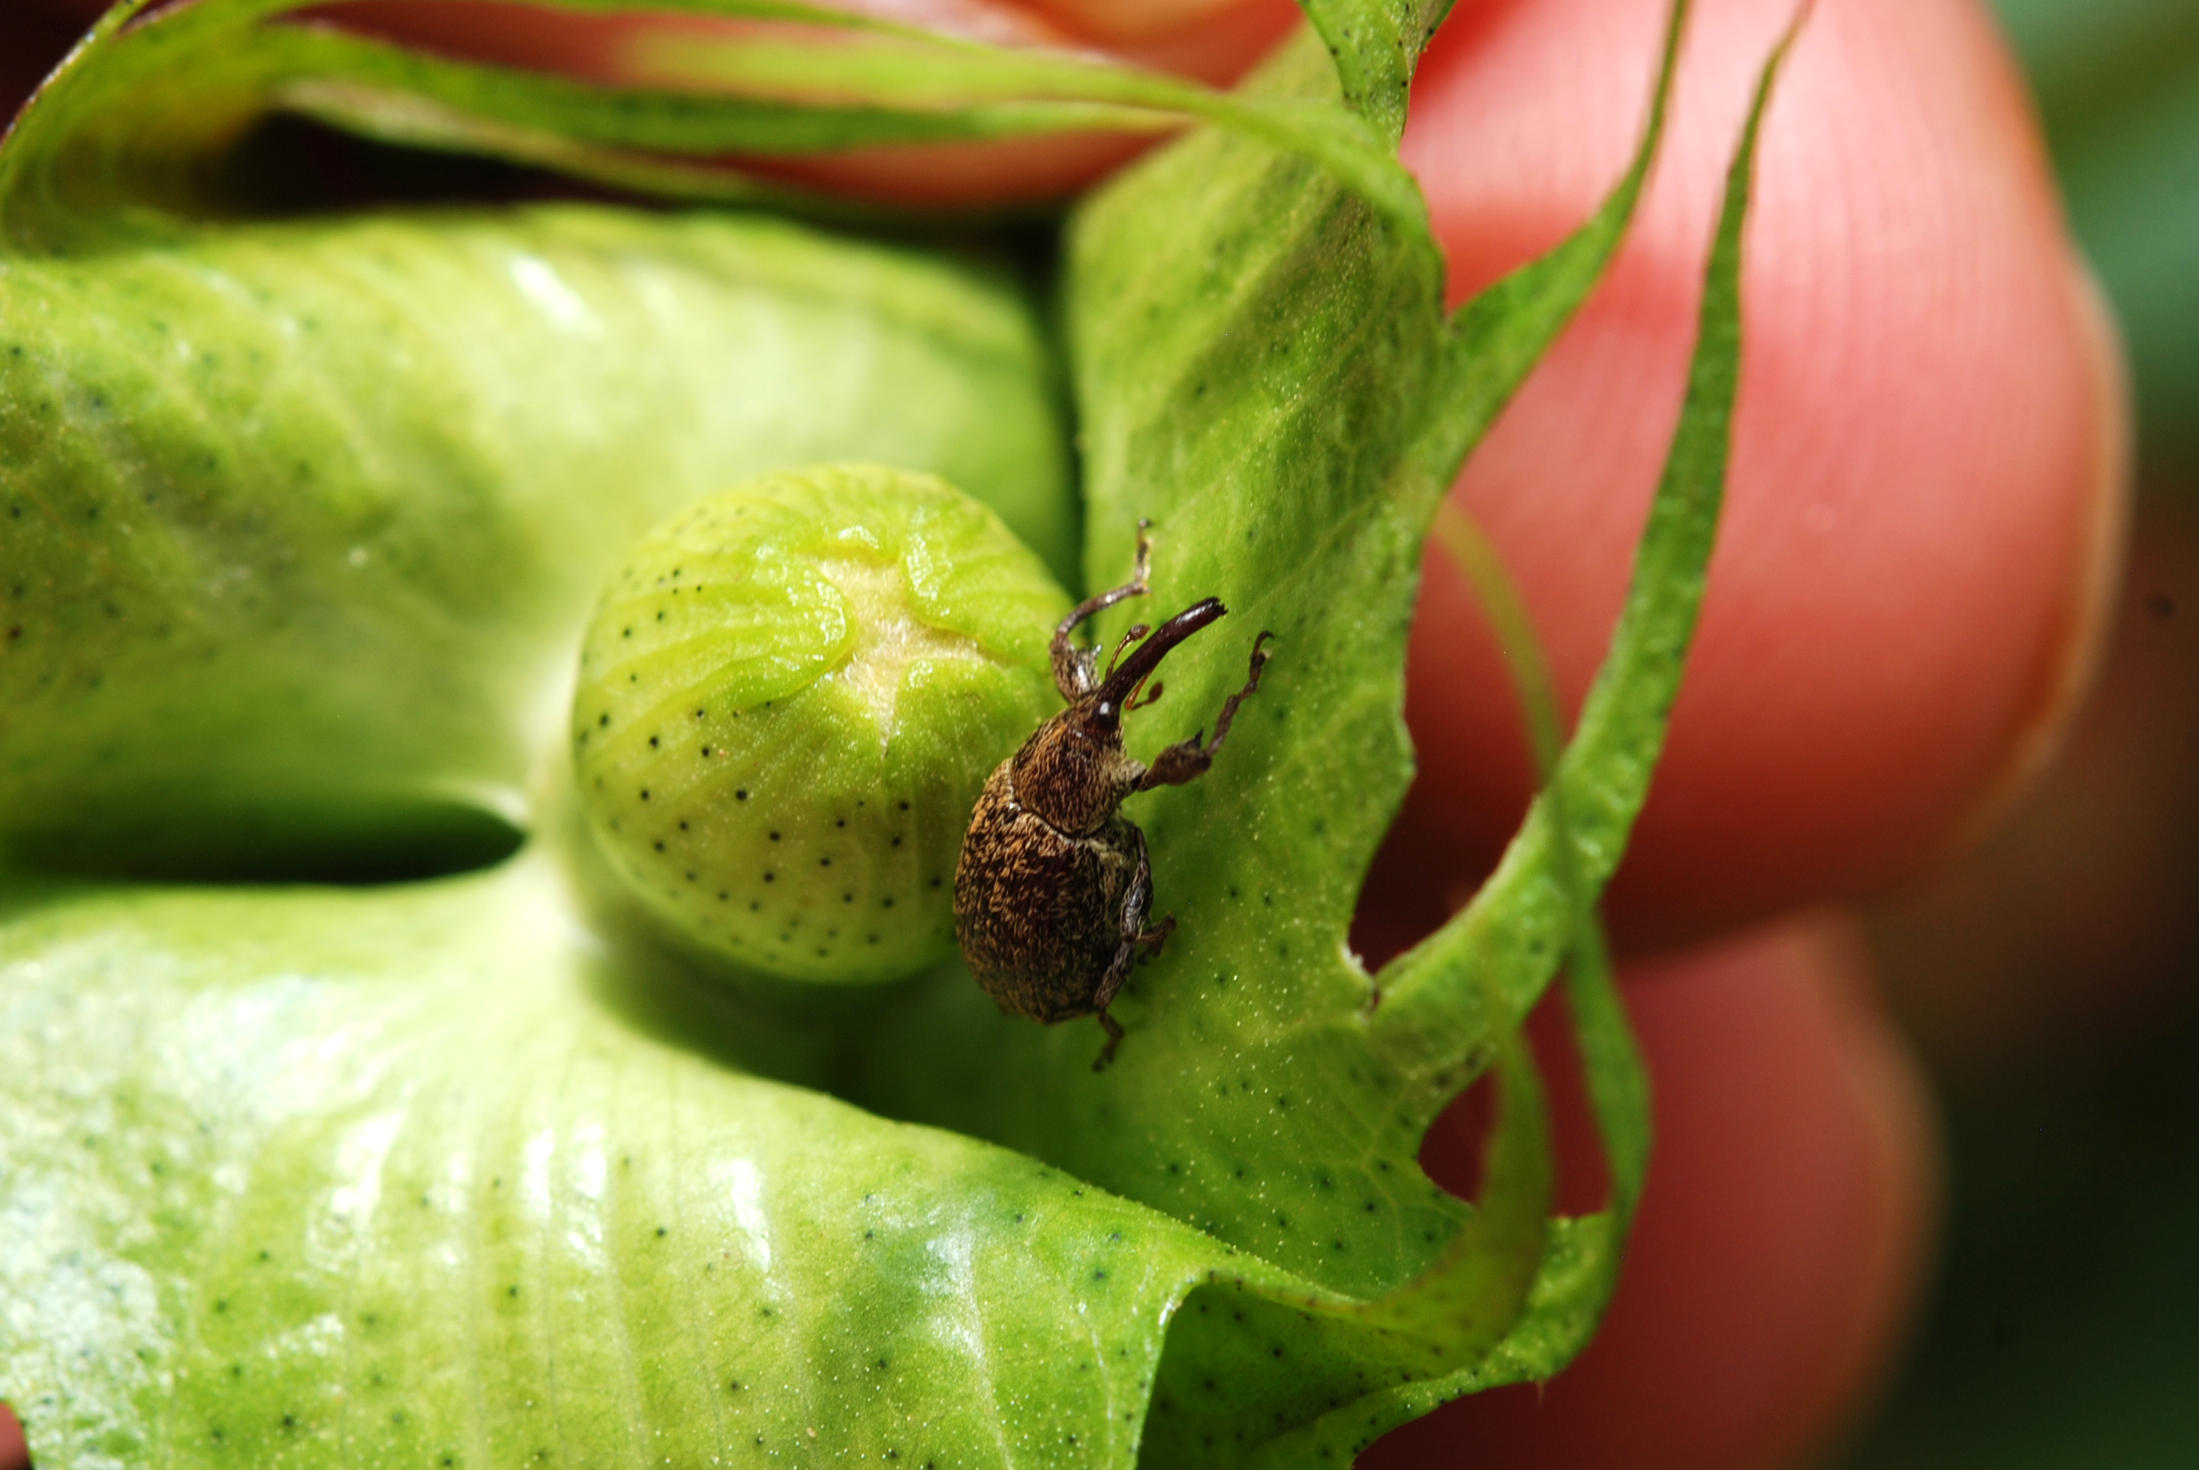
[1782,1237]
[1213,41]
[1927,487]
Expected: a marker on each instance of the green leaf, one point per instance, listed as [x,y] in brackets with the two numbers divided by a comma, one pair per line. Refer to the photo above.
[1376,44]
[362,476]
[1544,889]
[424,1176]
[1494,340]
[474,1168]
[1576,831]
[1251,347]
[1256,393]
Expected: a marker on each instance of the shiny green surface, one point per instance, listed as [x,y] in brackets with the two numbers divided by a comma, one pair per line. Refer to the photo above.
[306,517]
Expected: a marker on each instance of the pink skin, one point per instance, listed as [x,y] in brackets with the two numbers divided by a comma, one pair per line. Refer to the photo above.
[1927,501]
[1926,496]
[1783,1234]
[1215,46]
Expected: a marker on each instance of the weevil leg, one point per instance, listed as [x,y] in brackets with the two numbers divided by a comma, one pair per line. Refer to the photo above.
[1137,901]
[1150,942]
[1135,950]
[1075,669]
[1185,761]
[1114,1039]
[1137,943]
[1188,759]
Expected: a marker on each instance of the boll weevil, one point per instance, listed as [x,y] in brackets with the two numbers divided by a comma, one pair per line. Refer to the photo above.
[1053,886]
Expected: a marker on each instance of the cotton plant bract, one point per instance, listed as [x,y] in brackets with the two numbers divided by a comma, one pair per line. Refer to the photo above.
[301,516]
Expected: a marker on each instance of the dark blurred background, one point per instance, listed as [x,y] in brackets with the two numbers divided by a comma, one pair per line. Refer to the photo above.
[2052,976]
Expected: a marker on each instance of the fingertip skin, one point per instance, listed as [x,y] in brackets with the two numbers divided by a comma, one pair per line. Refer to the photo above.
[1928,476]
[1214,41]
[1783,1239]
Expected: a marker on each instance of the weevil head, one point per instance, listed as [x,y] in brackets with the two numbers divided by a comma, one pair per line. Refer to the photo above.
[1074,772]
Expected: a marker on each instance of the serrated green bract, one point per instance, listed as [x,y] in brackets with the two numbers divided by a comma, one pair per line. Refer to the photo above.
[1376,44]
[789,697]
[466,1170]
[401,1176]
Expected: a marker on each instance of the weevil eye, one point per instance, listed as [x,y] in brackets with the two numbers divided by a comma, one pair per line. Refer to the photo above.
[788,700]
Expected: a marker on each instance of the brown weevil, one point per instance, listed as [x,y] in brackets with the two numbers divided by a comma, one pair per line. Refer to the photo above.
[1053,887]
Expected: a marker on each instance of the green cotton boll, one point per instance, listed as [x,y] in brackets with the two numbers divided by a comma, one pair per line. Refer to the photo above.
[788,700]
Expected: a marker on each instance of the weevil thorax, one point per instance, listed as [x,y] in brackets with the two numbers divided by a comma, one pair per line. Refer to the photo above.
[1074,772]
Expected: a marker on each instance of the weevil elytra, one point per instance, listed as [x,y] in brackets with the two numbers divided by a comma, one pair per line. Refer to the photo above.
[1053,887]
